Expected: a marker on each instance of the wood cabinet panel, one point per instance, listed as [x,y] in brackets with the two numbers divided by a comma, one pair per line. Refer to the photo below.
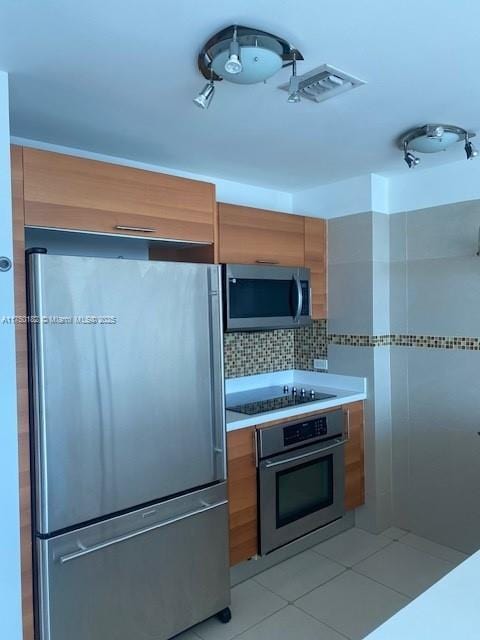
[242,494]
[250,236]
[354,459]
[68,192]
[316,261]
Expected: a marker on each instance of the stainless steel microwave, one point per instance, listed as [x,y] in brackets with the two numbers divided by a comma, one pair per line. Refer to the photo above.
[266,297]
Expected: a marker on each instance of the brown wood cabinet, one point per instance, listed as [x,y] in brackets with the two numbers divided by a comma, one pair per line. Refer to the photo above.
[256,236]
[354,458]
[67,192]
[242,494]
[316,261]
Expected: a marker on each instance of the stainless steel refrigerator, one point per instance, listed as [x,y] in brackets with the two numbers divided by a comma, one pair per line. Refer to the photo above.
[127,404]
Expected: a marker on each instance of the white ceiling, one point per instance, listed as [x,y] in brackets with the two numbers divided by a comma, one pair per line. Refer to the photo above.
[118,77]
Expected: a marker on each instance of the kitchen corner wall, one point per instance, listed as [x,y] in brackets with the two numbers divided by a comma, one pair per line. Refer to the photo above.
[251,352]
[404,311]
[435,307]
[359,317]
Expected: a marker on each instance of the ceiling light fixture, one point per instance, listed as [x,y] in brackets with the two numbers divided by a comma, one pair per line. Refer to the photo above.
[233,64]
[470,148]
[432,138]
[244,55]
[205,96]
[294,97]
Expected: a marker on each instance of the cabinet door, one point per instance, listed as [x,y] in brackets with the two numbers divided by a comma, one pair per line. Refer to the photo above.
[67,192]
[242,494]
[256,236]
[316,261]
[354,458]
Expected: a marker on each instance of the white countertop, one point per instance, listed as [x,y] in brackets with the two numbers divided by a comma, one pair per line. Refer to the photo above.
[346,389]
[447,611]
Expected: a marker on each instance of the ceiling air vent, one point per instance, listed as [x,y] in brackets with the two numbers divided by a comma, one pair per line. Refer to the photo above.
[320,84]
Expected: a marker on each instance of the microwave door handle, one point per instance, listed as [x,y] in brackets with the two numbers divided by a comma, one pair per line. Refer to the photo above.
[298,309]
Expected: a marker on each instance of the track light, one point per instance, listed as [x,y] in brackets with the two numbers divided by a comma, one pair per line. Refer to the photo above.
[205,96]
[411,160]
[233,64]
[293,94]
[432,138]
[470,149]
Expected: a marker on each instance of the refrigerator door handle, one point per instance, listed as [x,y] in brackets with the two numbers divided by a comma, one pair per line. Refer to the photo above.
[108,543]
[216,367]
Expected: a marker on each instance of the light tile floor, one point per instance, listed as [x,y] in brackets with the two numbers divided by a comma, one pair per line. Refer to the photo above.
[342,588]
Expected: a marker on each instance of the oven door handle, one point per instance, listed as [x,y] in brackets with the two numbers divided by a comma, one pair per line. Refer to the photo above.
[269,464]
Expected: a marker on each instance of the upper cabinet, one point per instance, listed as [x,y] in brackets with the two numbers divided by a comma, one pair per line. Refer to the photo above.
[316,261]
[255,236]
[67,192]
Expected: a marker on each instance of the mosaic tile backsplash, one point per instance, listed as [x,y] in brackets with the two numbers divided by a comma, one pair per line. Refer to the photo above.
[251,352]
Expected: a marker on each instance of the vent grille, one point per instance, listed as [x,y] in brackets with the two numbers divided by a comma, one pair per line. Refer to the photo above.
[321,83]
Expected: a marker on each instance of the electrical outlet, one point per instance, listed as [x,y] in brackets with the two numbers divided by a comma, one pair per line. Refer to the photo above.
[320,363]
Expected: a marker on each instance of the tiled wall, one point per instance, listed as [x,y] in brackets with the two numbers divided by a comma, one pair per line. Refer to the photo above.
[251,352]
[435,301]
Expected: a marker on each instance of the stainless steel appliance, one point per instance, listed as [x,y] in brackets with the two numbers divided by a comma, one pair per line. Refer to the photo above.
[266,297]
[266,399]
[301,472]
[129,447]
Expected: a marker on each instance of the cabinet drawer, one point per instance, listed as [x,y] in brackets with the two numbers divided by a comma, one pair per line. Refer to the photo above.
[67,192]
[250,236]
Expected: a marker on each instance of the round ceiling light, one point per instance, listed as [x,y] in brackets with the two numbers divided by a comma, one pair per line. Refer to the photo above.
[258,64]
[244,55]
[432,138]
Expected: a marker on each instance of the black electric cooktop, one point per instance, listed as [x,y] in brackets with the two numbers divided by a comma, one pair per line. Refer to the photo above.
[273,398]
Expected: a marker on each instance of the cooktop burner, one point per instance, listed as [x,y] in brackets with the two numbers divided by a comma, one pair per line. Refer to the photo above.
[273,398]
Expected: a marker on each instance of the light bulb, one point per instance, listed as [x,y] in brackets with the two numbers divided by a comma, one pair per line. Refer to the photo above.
[233,64]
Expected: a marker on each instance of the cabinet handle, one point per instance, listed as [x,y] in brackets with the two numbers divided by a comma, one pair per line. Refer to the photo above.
[347,415]
[122,227]
[266,261]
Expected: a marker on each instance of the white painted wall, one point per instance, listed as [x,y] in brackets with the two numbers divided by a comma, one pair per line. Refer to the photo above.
[10,593]
[336,199]
[418,188]
[368,192]
[227,190]
[430,187]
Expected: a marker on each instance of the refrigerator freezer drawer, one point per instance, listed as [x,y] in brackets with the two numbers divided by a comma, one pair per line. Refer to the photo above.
[111,580]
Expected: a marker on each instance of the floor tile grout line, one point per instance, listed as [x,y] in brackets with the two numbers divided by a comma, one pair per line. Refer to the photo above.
[428,553]
[322,622]
[400,593]
[362,560]
[293,602]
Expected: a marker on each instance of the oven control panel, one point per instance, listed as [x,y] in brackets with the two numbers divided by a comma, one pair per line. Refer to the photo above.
[301,431]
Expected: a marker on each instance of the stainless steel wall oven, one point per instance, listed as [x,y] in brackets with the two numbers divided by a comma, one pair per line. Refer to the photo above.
[301,470]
